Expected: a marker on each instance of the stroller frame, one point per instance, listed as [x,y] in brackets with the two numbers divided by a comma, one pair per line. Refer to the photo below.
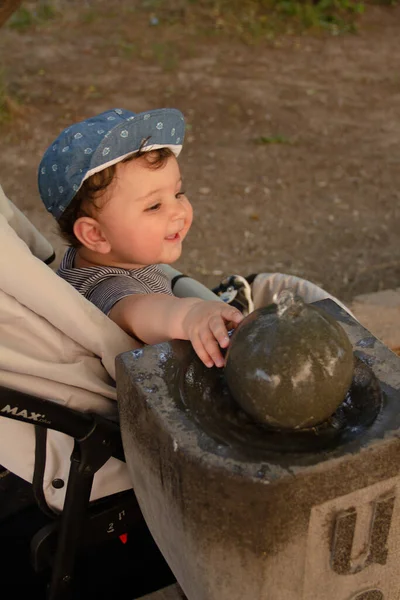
[80,522]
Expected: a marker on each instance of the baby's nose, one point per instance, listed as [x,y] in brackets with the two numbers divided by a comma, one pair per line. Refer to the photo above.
[179,213]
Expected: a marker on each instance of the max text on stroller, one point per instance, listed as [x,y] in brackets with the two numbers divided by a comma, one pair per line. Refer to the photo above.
[24,414]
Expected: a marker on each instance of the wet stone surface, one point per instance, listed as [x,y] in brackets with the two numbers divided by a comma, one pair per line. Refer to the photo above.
[367,342]
[206,397]
[289,365]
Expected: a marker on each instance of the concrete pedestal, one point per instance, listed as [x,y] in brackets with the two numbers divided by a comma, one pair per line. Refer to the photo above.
[276,526]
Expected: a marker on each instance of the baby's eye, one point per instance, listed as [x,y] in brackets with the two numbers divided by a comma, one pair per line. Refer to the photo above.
[154,207]
[180,194]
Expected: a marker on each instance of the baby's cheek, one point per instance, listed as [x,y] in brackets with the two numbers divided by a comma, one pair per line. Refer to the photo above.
[185,231]
[189,220]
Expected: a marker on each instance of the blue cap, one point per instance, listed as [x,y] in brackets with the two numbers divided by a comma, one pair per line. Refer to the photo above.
[92,145]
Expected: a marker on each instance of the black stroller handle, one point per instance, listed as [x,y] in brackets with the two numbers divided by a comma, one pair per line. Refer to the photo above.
[87,429]
[21,406]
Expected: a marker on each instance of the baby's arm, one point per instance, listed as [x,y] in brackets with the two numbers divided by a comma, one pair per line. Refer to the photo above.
[155,318]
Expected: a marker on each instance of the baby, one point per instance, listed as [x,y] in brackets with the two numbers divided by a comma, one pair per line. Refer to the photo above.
[114,186]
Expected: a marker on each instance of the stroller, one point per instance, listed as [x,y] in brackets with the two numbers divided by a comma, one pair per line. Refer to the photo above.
[60,445]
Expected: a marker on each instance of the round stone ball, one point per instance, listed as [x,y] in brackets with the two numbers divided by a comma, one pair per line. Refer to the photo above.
[289,365]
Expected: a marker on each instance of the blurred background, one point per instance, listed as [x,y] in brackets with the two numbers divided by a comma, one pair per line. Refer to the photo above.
[292,149]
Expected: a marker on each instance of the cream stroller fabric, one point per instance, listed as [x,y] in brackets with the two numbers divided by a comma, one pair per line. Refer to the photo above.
[57,345]
[266,286]
[36,243]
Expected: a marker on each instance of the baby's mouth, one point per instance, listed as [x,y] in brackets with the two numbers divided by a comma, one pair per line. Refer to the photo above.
[174,237]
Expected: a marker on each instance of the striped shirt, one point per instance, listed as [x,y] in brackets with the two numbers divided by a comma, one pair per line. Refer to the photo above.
[105,286]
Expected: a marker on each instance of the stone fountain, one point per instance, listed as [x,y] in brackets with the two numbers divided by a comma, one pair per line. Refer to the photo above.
[242,511]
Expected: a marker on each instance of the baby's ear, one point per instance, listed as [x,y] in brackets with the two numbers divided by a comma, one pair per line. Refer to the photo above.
[89,233]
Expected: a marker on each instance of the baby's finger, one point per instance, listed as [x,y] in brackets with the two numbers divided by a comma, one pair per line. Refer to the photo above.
[231,325]
[219,331]
[211,346]
[201,352]
[230,313]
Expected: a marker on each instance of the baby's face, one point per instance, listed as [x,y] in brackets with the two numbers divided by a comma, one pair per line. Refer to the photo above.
[146,214]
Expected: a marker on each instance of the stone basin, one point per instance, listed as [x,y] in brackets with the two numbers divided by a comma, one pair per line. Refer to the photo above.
[241,512]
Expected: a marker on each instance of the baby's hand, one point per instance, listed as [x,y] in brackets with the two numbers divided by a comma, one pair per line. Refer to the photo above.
[205,326]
